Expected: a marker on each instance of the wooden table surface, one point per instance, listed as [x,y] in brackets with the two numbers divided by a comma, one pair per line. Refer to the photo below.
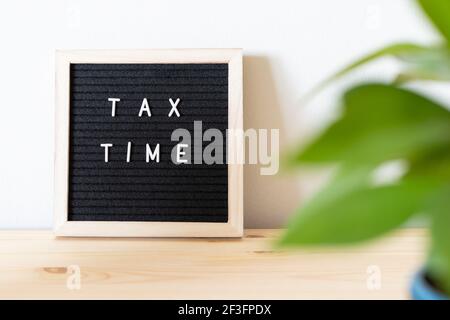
[35,264]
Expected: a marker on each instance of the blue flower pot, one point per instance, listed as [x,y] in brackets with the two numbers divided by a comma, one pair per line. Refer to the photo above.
[421,289]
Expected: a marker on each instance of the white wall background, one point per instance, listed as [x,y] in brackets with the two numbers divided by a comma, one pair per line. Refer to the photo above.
[289,46]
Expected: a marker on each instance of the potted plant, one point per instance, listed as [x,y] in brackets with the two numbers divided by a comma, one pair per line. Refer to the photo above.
[382,124]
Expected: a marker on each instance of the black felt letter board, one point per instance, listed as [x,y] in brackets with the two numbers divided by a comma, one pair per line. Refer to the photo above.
[139,191]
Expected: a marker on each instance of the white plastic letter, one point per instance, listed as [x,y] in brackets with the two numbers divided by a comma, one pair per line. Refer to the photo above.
[113,107]
[174,107]
[106,146]
[149,155]
[181,152]
[145,107]
[129,151]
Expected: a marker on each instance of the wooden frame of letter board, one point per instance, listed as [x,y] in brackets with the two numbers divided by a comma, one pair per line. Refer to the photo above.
[64,227]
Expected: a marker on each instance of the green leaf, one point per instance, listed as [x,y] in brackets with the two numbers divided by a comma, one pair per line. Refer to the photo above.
[420,75]
[433,165]
[355,212]
[379,123]
[432,64]
[439,13]
[438,266]
[394,50]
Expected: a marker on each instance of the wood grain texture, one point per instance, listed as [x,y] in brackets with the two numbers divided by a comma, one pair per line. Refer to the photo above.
[34,264]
